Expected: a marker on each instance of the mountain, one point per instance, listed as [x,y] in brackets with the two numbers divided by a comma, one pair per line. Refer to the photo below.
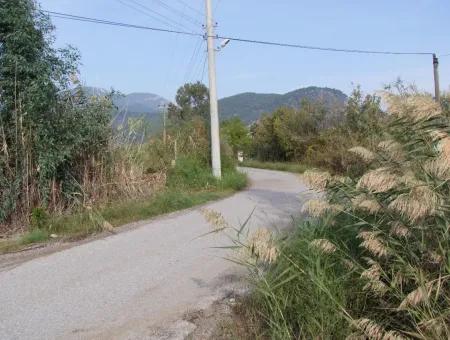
[133,105]
[146,105]
[250,106]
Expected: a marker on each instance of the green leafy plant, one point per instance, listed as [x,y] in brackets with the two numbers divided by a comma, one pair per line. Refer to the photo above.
[39,219]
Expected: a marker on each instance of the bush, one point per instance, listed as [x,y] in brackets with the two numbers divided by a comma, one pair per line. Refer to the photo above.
[376,265]
[293,299]
[191,172]
[194,172]
[318,136]
[39,219]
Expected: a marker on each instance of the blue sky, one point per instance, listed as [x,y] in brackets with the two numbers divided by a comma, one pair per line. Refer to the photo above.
[132,60]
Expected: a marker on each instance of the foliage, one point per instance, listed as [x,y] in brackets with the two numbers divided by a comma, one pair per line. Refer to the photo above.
[376,264]
[236,134]
[363,114]
[279,166]
[47,132]
[311,136]
[39,219]
[192,100]
[194,172]
[285,134]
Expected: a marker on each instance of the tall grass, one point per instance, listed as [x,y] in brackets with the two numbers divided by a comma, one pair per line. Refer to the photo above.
[374,263]
[279,166]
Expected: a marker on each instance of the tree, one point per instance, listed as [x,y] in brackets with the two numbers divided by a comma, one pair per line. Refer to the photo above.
[44,129]
[192,100]
[287,132]
[363,114]
[236,134]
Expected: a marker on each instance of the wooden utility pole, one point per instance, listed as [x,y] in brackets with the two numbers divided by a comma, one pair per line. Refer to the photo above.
[437,92]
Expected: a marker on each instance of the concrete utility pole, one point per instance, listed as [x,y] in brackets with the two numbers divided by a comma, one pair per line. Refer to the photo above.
[437,92]
[214,107]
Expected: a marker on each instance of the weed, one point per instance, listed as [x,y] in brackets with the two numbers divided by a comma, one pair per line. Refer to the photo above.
[279,166]
[35,236]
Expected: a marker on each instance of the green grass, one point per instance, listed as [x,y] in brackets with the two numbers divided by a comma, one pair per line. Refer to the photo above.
[280,166]
[301,294]
[34,236]
[183,191]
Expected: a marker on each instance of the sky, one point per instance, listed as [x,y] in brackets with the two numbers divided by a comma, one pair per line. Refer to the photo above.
[131,60]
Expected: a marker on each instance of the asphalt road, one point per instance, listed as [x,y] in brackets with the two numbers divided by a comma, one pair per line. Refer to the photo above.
[139,284]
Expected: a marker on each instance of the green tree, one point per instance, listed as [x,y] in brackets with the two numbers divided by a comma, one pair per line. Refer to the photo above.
[45,128]
[287,132]
[363,114]
[266,145]
[236,134]
[192,100]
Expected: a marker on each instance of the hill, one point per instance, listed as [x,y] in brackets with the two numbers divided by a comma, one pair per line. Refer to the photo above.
[133,105]
[250,106]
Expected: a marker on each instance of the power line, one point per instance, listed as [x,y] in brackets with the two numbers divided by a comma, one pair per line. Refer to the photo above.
[148,9]
[330,49]
[183,15]
[203,70]
[251,41]
[164,20]
[198,69]
[445,55]
[191,8]
[193,60]
[120,24]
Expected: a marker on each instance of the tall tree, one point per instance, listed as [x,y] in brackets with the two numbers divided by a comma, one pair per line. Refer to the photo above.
[236,134]
[192,100]
[43,128]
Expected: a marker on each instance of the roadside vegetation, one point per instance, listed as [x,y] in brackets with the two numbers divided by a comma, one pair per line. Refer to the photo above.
[372,261]
[65,171]
[279,166]
[315,136]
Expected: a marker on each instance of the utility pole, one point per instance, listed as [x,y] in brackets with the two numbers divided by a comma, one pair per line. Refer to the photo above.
[214,107]
[437,92]
[164,112]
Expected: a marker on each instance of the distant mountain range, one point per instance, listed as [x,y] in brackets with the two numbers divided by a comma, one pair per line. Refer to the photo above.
[133,105]
[248,106]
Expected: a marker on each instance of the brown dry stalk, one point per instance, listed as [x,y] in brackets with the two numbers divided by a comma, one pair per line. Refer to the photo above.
[323,245]
[439,168]
[366,203]
[417,107]
[215,219]
[419,203]
[373,243]
[374,331]
[262,245]
[399,229]
[318,180]
[318,208]
[378,181]
[363,153]
[393,150]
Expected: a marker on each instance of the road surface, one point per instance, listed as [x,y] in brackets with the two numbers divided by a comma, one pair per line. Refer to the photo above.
[140,283]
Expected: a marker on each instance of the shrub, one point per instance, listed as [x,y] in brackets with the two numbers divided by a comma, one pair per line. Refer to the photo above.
[39,219]
[192,172]
[379,253]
